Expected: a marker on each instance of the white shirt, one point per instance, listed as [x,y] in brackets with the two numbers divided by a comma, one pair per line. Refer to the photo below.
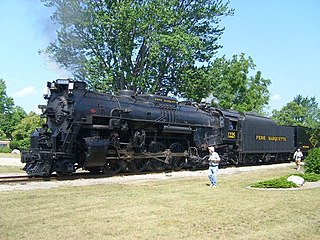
[214,158]
[297,155]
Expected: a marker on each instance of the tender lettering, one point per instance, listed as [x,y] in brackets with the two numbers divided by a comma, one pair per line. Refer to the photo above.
[260,137]
[271,138]
[277,139]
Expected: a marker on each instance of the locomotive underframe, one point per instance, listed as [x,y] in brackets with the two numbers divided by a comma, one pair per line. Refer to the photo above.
[110,154]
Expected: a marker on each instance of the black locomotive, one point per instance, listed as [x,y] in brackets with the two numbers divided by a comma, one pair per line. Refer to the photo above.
[102,132]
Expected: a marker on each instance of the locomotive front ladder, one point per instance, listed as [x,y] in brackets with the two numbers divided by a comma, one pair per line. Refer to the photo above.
[70,137]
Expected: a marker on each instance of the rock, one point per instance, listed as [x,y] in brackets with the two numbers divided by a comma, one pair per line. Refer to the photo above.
[15,151]
[296,179]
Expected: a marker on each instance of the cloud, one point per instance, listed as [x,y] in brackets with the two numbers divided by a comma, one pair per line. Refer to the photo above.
[27,91]
[275,97]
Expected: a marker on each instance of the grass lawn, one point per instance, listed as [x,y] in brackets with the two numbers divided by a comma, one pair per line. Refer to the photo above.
[11,169]
[9,155]
[171,209]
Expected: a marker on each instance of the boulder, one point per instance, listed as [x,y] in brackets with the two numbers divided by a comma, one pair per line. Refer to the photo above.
[296,179]
[15,151]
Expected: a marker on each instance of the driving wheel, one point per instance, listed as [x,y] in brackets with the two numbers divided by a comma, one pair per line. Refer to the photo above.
[177,162]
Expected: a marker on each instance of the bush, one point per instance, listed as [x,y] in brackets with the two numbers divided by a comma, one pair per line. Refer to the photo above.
[23,144]
[275,183]
[5,150]
[14,145]
[283,183]
[309,177]
[312,161]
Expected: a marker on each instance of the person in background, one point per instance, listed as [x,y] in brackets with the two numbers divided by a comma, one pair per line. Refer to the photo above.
[214,160]
[297,156]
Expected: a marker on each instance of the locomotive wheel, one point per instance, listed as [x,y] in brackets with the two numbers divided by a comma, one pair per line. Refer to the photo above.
[63,168]
[112,167]
[155,164]
[137,165]
[177,163]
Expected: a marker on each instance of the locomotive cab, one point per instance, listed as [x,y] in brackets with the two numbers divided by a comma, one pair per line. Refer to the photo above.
[231,125]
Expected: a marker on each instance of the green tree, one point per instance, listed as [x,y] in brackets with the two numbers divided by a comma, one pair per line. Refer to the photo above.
[300,112]
[312,162]
[291,114]
[195,83]
[312,116]
[229,82]
[142,45]
[21,135]
[10,119]
[10,115]
[6,103]
[2,135]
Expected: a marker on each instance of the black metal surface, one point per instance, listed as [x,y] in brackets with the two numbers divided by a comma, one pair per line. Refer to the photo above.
[111,133]
[262,135]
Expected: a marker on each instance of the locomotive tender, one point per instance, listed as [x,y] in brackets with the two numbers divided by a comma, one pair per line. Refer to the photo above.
[128,131]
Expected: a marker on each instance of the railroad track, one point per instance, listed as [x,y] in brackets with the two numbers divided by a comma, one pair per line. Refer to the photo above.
[54,177]
[26,178]
[80,175]
[18,178]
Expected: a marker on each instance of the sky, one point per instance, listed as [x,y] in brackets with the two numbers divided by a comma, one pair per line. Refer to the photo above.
[282,37]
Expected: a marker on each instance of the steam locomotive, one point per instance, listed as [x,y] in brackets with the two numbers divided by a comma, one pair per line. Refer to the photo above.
[133,132]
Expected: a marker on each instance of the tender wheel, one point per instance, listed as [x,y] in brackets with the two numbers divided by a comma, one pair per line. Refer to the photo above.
[177,163]
[137,165]
[155,164]
[112,167]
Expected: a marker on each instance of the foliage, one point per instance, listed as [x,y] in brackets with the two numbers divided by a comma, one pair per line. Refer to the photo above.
[299,112]
[289,114]
[229,82]
[21,136]
[141,45]
[235,89]
[2,135]
[309,177]
[312,161]
[275,183]
[312,110]
[6,103]
[283,183]
[10,115]
[10,119]
[5,150]
[195,83]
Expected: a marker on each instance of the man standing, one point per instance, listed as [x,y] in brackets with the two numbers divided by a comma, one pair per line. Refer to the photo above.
[214,160]
[297,156]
